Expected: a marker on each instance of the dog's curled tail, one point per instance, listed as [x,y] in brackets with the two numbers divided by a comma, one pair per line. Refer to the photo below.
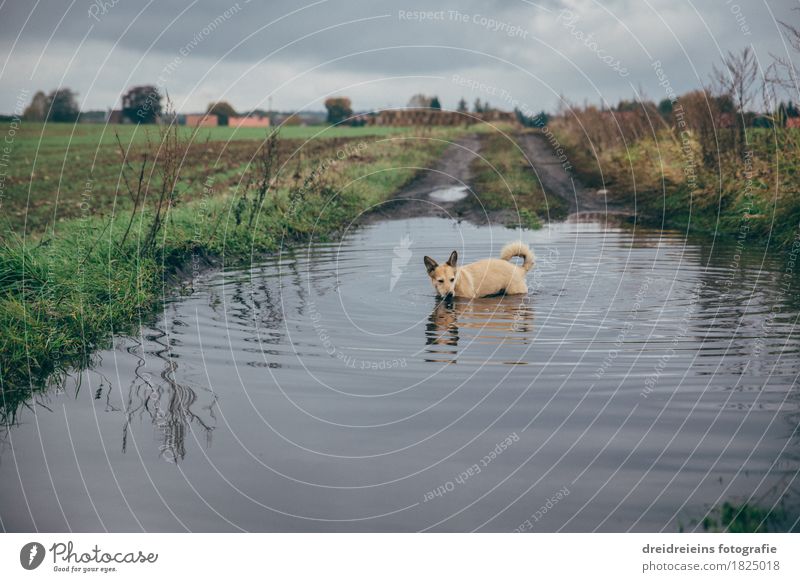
[518,249]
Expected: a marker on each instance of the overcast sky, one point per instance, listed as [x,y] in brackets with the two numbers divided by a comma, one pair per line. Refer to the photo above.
[377,52]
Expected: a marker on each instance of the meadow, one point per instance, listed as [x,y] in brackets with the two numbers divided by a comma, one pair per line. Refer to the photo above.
[50,164]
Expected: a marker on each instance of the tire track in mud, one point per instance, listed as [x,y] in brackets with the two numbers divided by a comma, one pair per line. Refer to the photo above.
[557,181]
[452,171]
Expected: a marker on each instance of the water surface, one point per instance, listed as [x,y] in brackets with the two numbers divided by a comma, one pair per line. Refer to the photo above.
[643,380]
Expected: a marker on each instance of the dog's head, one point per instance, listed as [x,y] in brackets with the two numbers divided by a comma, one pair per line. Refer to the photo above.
[443,277]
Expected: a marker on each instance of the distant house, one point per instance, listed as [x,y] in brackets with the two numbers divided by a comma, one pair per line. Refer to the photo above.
[427,117]
[417,116]
[249,121]
[213,120]
[289,119]
[793,122]
[313,117]
[201,120]
[500,116]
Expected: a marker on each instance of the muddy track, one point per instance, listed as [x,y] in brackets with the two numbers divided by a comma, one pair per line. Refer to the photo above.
[557,181]
[453,170]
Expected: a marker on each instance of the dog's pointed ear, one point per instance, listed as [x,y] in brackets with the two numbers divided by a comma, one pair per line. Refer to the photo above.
[430,264]
[453,259]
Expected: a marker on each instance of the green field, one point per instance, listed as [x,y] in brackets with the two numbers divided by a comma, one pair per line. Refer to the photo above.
[49,165]
[34,135]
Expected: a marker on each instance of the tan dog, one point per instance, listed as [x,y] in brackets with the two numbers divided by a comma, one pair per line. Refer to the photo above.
[482,278]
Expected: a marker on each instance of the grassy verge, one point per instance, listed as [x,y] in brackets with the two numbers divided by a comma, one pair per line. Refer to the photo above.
[64,293]
[744,518]
[505,179]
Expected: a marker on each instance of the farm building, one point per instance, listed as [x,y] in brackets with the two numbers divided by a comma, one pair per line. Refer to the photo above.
[211,120]
[201,120]
[249,121]
[406,117]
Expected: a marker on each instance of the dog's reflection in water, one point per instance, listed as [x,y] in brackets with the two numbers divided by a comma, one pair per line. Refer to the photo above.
[505,319]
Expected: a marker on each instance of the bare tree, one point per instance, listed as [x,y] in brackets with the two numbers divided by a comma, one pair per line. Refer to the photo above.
[420,101]
[782,76]
[783,71]
[736,79]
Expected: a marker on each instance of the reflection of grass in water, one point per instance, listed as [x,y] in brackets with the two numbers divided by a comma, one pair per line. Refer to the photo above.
[743,518]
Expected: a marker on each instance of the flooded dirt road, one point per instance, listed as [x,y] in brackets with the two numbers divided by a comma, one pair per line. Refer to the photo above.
[644,381]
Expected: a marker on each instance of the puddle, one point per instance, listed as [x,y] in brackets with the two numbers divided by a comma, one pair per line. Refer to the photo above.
[326,389]
[453,194]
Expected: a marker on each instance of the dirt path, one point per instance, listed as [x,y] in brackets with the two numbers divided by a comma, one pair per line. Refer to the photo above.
[452,171]
[556,181]
[426,195]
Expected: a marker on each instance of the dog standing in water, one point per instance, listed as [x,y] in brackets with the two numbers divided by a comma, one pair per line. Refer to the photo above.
[482,278]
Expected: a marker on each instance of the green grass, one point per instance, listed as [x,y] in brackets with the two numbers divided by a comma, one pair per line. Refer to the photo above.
[65,291]
[50,164]
[60,135]
[744,518]
[505,179]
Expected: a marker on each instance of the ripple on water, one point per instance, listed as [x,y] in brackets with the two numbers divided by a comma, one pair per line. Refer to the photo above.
[328,389]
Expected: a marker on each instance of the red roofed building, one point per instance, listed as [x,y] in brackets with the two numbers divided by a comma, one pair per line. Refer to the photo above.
[201,120]
[248,121]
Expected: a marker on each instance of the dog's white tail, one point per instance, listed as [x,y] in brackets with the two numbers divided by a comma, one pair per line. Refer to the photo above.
[518,249]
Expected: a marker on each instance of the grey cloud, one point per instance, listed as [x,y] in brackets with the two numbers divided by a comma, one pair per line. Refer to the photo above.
[501,43]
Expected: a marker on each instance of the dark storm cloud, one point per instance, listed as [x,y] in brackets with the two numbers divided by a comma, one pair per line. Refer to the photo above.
[312,31]
[509,52]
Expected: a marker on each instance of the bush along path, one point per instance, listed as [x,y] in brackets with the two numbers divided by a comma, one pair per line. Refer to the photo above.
[700,181]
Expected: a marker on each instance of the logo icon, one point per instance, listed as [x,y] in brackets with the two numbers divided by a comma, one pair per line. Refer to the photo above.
[402,254]
[31,555]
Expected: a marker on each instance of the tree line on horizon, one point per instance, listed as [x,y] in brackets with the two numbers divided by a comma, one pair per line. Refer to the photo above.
[340,109]
[143,104]
[728,99]
[140,104]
